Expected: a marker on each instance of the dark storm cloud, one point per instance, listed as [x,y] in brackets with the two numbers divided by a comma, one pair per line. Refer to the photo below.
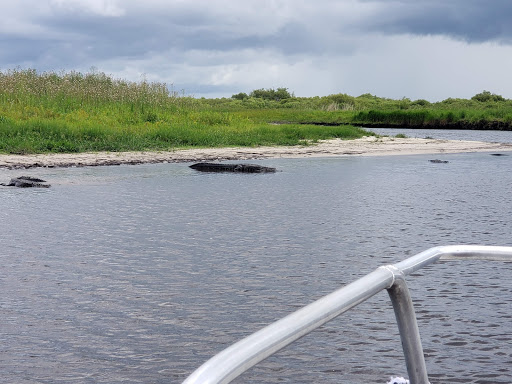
[80,33]
[474,21]
[20,49]
[73,37]
[77,36]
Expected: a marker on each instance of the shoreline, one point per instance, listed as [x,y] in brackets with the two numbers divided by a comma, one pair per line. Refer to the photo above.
[366,146]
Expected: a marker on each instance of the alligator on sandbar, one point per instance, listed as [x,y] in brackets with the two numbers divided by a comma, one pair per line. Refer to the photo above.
[242,168]
[27,182]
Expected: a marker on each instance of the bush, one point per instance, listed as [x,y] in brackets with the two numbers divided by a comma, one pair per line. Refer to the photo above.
[486,96]
[340,101]
[240,96]
[420,102]
[271,94]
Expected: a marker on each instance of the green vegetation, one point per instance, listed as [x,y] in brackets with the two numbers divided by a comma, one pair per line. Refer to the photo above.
[75,112]
[485,110]
[487,96]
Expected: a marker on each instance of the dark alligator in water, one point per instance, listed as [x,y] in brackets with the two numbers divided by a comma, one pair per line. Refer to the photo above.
[437,161]
[243,168]
[27,182]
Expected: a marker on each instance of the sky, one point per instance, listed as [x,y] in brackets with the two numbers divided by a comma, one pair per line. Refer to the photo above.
[418,49]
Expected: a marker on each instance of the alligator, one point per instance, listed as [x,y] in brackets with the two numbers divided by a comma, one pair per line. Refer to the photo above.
[437,161]
[27,182]
[242,168]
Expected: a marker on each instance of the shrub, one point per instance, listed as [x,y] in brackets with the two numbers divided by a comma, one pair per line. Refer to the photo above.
[486,96]
[340,101]
[271,94]
[421,103]
[240,96]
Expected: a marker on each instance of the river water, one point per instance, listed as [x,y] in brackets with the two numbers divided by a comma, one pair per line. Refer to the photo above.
[448,134]
[139,274]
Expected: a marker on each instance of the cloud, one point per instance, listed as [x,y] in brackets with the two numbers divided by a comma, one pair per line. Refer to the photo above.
[222,47]
[473,21]
[128,28]
[107,8]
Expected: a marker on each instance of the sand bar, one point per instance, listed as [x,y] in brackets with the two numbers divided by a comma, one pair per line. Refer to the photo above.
[367,146]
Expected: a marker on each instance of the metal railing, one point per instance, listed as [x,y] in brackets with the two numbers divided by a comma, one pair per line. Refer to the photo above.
[238,358]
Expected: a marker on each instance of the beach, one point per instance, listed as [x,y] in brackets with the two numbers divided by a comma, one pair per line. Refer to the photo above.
[366,146]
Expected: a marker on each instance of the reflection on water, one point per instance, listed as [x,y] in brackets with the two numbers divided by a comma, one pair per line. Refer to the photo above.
[138,274]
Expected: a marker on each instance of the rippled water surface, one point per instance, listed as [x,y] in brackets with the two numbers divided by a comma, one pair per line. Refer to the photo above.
[448,134]
[138,274]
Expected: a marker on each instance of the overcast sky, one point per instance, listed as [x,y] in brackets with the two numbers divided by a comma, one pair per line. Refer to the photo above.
[429,49]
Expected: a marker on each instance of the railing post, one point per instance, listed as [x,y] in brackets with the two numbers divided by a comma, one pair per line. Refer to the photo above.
[408,328]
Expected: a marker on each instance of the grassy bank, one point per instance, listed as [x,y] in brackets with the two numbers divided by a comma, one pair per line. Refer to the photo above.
[75,112]
[483,111]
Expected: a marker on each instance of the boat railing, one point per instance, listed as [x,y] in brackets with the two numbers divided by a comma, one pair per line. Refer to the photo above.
[238,358]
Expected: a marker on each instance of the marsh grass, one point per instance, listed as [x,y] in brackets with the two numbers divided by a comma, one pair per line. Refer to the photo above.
[493,112]
[75,112]
[43,136]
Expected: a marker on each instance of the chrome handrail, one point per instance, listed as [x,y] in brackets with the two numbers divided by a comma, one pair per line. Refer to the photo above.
[238,358]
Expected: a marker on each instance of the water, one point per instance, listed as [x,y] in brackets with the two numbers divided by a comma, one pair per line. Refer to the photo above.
[139,274]
[448,134]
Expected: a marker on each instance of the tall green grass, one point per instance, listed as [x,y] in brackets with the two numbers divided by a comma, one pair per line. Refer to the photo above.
[436,118]
[40,136]
[73,112]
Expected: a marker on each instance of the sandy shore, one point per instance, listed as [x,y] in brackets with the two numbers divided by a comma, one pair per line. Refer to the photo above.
[367,146]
